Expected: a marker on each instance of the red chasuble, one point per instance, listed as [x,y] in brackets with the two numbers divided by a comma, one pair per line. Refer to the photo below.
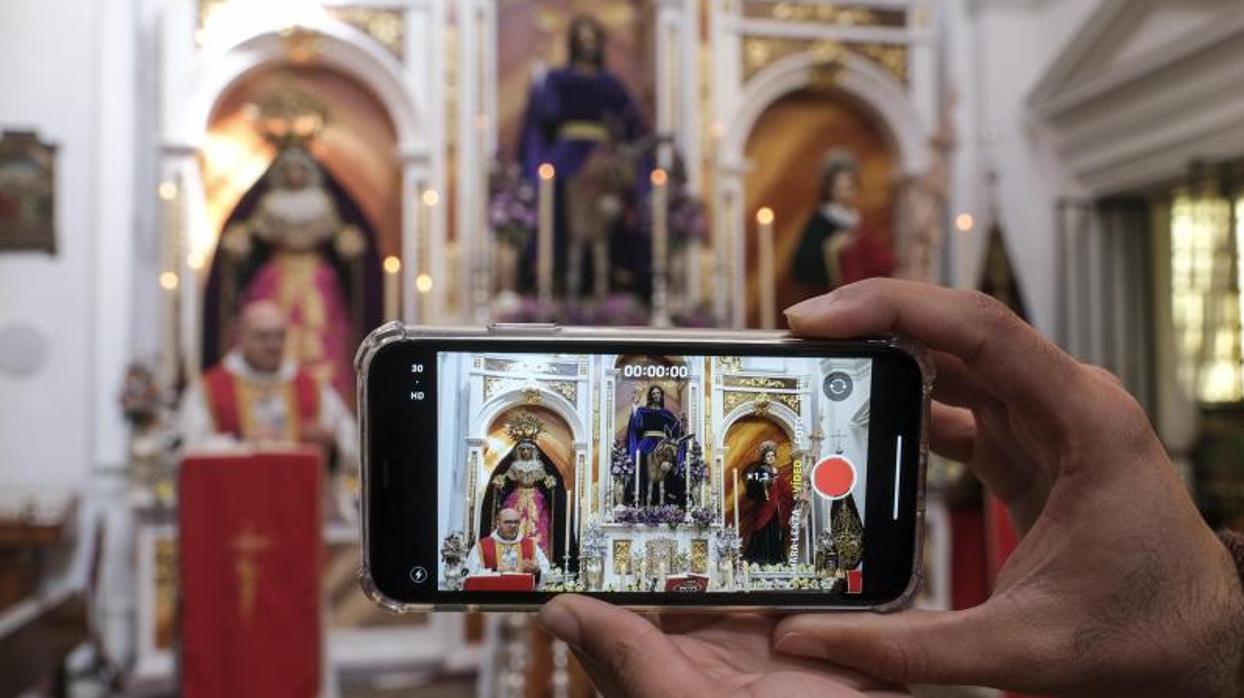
[488,551]
[780,503]
[229,398]
[250,557]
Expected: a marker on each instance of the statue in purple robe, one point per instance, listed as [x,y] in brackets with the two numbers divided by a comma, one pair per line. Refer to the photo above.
[651,425]
[581,119]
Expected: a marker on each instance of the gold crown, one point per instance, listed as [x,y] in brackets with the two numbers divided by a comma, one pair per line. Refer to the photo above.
[525,427]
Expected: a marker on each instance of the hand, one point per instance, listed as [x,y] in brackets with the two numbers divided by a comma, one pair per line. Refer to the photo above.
[626,655]
[1117,586]
[530,566]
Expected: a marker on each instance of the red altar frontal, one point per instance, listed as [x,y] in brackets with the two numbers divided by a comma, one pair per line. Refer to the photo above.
[250,574]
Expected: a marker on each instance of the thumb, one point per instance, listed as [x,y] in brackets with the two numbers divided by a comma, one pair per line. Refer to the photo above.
[914,647]
[624,654]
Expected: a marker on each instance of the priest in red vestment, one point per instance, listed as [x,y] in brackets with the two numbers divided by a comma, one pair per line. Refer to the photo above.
[507,550]
[258,396]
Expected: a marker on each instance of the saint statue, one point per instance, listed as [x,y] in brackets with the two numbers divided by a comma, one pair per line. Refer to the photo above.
[832,250]
[771,498]
[528,478]
[649,426]
[581,119]
[294,250]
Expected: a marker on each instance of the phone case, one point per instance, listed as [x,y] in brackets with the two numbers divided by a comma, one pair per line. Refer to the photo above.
[626,336]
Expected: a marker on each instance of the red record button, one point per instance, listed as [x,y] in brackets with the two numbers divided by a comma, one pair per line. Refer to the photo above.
[834,477]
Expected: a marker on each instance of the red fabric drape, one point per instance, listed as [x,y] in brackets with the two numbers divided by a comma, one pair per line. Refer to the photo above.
[250,557]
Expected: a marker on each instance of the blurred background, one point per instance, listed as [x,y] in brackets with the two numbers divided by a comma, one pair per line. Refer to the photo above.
[197,194]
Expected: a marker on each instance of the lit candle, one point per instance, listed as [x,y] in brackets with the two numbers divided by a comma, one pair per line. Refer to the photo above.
[392,265]
[660,244]
[569,516]
[764,232]
[964,223]
[544,234]
[736,501]
[703,488]
[686,466]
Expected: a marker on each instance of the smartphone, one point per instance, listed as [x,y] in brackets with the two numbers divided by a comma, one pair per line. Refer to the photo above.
[690,469]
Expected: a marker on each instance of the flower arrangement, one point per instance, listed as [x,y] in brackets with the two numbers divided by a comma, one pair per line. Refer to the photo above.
[621,466]
[694,461]
[702,517]
[453,548]
[512,213]
[668,515]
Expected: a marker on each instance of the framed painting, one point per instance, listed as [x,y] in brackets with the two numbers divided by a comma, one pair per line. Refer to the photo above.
[27,191]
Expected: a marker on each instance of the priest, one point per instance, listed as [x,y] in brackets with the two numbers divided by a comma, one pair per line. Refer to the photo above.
[507,549]
[258,396]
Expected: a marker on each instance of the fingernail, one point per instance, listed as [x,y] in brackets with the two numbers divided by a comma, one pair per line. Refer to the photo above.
[800,645]
[809,305]
[560,622]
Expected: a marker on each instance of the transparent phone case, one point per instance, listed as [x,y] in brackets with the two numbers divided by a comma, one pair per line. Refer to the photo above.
[397,332]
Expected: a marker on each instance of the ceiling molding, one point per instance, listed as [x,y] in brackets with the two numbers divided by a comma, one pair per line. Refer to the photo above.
[1070,82]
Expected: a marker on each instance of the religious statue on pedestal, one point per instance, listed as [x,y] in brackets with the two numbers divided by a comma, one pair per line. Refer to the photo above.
[833,251]
[767,525]
[651,425]
[520,486]
[581,120]
[293,248]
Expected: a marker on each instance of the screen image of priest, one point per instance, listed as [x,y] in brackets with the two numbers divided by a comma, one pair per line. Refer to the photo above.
[630,472]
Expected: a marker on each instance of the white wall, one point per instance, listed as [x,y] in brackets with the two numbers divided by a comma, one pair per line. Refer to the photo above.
[51,49]
[998,51]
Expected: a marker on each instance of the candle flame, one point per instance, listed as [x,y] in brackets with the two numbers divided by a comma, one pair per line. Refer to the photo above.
[167,190]
[169,281]
[964,222]
[546,171]
[392,264]
[764,216]
[423,283]
[431,197]
[659,177]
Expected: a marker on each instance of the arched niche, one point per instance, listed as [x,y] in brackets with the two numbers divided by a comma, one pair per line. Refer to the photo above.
[860,85]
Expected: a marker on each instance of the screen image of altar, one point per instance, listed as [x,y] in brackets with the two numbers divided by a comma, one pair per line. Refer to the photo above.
[608,472]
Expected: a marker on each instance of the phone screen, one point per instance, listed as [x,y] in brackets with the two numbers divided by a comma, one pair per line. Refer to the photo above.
[646,475]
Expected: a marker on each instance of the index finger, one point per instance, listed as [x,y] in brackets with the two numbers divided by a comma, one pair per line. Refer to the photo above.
[1016,363]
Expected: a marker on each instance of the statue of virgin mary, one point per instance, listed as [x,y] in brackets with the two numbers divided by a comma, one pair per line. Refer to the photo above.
[288,243]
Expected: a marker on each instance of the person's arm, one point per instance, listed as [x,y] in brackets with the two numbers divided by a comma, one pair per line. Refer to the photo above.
[474,561]
[341,426]
[1117,587]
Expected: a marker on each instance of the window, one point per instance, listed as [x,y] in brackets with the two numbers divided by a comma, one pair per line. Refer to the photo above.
[1207,244]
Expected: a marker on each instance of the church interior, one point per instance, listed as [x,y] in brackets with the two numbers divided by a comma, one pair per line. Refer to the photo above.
[205,205]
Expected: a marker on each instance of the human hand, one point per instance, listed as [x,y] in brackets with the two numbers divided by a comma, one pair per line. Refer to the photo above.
[1117,587]
[626,655]
[530,566]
